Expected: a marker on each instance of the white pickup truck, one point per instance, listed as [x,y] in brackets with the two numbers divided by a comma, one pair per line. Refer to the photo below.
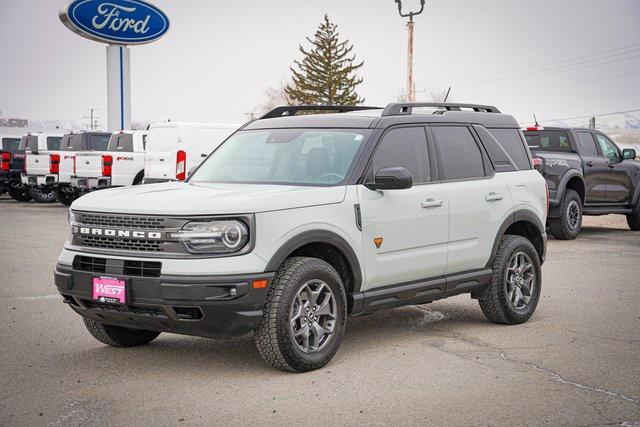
[176,148]
[120,165]
[42,162]
[74,144]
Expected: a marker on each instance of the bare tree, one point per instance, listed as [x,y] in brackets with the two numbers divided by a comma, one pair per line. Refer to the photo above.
[439,94]
[274,96]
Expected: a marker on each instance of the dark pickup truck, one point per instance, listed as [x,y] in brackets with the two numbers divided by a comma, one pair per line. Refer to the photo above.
[587,174]
[11,167]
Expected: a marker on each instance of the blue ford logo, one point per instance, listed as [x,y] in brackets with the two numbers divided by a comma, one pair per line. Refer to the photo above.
[115,21]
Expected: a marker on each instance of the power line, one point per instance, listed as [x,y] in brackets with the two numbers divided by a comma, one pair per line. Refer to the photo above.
[628,49]
[592,115]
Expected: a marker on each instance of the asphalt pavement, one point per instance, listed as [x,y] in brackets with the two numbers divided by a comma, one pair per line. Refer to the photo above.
[576,362]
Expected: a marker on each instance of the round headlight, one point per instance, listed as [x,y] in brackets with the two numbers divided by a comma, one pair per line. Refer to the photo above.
[215,237]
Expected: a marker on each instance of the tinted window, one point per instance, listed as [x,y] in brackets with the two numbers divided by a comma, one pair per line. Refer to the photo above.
[29,142]
[608,148]
[71,142]
[283,156]
[511,142]
[122,142]
[11,145]
[98,142]
[548,140]
[586,144]
[144,142]
[53,142]
[460,156]
[404,147]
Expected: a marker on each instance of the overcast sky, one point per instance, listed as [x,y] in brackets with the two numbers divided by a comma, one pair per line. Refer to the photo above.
[558,58]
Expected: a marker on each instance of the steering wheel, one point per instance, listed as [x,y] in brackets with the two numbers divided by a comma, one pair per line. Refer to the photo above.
[327,177]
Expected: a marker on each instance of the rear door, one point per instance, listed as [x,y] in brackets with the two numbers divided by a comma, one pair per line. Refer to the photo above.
[162,146]
[595,166]
[88,165]
[404,232]
[479,199]
[619,184]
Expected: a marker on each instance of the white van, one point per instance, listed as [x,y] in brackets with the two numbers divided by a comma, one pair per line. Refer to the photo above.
[175,148]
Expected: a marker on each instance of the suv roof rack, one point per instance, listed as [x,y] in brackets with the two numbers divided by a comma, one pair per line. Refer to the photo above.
[402,108]
[291,110]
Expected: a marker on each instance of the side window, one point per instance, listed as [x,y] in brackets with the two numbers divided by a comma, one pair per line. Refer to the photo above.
[144,142]
[404,147]
[53,142]
[608,148]
[511,142]
[586,144]
[460,157]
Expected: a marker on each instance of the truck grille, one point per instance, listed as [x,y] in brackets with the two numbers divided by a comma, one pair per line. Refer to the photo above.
[125,221]
[122,244]
[126,267]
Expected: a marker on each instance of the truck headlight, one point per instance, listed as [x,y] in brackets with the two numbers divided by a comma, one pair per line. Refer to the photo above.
[72,218]
[213,237]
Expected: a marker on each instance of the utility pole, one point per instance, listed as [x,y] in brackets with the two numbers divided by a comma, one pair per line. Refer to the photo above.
[411,90]
[93,119]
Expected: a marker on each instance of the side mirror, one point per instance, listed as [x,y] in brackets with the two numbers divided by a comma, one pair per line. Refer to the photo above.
[391,179]
[628,154]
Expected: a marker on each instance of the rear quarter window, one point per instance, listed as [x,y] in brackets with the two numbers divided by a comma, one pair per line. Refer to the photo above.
[513,144]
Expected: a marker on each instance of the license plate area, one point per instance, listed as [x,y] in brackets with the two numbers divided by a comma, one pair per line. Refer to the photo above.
[109,290]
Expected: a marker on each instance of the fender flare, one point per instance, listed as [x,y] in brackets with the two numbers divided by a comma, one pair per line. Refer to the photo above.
[318,236]
[517,216]
[140,174]
[562,186]
[635,201]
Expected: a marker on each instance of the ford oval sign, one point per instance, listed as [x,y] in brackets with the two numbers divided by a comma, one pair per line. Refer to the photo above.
[122,22]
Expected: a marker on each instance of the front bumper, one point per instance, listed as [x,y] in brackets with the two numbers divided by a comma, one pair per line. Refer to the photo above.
[39,180]
[91,183]
[210,306]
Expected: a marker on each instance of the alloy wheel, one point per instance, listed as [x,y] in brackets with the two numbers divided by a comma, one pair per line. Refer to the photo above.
[520,279]
[313,316]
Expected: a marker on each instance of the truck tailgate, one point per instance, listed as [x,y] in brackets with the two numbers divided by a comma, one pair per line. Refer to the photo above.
[160,165]
[37,164]
[88,165]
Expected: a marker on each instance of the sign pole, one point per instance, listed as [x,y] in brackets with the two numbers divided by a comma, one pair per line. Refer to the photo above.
[118,88]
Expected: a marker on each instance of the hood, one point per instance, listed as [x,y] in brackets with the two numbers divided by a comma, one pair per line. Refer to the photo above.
[180,198]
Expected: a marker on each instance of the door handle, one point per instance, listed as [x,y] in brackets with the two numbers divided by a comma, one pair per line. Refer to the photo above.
[203,154]
[589,163]
[493,197]
[431,203]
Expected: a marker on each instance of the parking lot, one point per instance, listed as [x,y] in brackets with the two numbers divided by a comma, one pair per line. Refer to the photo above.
[576,362]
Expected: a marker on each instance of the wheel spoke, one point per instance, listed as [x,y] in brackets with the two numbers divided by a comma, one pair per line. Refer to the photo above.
[324,309]
[518,297]
[526,286]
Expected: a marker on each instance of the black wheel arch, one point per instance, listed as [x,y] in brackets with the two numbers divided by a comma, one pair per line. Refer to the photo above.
[572,175]
[326,245]
[138,178]
[522,223]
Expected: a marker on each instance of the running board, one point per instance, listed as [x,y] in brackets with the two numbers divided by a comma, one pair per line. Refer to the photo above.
[419,291]
[605,210]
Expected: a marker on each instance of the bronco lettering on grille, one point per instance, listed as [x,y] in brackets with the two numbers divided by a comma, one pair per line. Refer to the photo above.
[110,232]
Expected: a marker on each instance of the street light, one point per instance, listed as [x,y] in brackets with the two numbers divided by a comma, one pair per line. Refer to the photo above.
[411,93]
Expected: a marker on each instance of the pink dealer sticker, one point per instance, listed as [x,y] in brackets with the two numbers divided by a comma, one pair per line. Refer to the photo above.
[109,290]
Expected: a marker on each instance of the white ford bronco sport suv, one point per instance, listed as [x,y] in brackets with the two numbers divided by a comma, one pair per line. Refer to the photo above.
[295,223]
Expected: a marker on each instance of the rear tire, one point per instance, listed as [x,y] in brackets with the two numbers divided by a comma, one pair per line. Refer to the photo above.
[20,194]
[42,197]
[305,316]
[633,220]
[117,336]
[64,197]
[514,291]
[568,225]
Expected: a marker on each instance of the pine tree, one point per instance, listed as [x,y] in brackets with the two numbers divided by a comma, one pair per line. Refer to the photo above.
[326,74]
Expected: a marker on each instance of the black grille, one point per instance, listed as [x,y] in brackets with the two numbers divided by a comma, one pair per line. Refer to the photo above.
[142,268]
[126,267]
[91,264]
[121,221]
[118,243]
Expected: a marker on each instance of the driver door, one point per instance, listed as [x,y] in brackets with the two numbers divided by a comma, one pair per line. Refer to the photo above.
[405,232]
[618,188]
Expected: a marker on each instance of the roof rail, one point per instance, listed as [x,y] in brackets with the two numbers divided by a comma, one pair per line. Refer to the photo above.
[402,108]
[291,110]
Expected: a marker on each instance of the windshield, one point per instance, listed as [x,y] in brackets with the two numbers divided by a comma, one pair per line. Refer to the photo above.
[284,156]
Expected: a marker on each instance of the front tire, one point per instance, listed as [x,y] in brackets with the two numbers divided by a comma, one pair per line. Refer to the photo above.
[305,316]
[569,224]
[633,220]
[20,193]
[514,291]
[41,196]
[117,336]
